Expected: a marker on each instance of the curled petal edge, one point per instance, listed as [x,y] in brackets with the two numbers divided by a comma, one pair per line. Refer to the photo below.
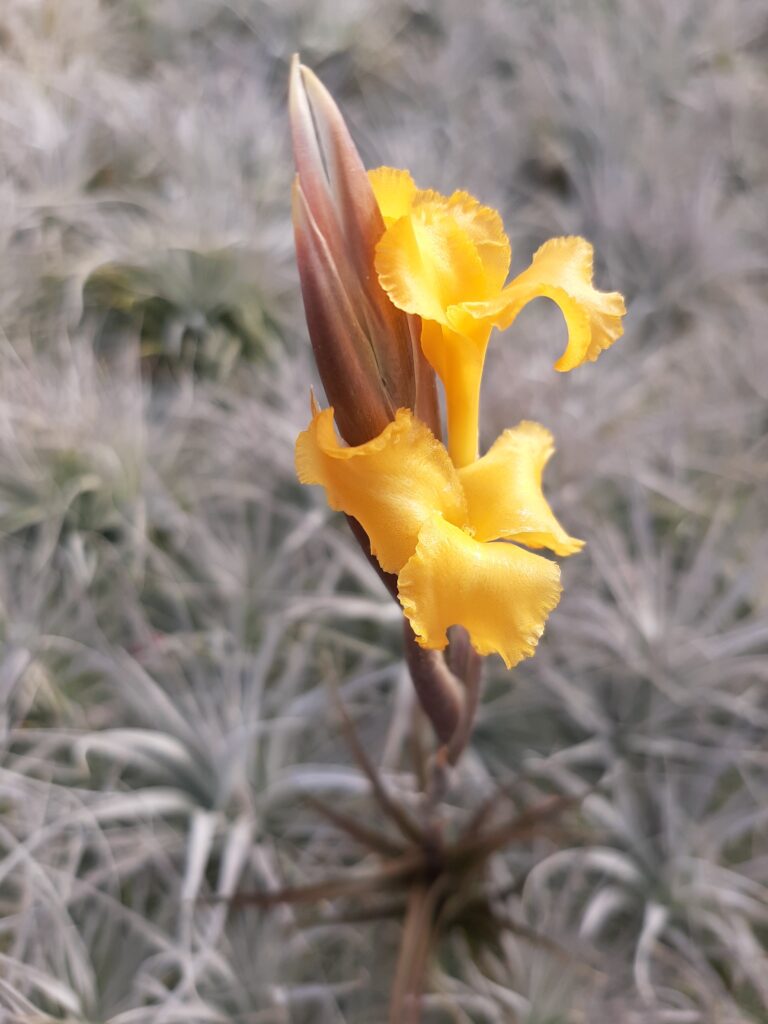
[501,593]
[505,496]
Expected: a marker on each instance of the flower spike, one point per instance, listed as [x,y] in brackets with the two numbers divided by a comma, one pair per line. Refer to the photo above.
[455,534]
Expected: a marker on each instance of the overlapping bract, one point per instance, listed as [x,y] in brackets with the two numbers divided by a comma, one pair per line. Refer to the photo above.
[436,528]
[367,351]
[446,258]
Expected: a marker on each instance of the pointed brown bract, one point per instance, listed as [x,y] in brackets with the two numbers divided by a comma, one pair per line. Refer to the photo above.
[344,355]
[367,351]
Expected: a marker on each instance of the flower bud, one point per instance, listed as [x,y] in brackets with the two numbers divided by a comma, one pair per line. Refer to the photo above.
[368,353]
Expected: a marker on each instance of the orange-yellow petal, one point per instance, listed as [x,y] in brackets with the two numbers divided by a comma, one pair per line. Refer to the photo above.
[484,227]
[504,493]
[501,593]
[391,484]
[561,270]
[427,262]
[394,190]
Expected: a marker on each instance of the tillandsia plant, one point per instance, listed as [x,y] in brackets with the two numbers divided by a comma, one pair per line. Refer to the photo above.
[402,285]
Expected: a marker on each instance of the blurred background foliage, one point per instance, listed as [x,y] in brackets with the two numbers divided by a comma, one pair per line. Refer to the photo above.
[173,607]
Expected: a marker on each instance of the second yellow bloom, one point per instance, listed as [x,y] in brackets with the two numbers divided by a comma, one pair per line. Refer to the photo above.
[444,531]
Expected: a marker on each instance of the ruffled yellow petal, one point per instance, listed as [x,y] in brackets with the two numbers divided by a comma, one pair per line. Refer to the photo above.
[390,485]
[500,593]
[484,227]
[561,270]
[394,190]
[427,262]
[504,493]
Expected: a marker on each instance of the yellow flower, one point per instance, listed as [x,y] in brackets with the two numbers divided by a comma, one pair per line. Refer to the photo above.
[446,259]
[444,530]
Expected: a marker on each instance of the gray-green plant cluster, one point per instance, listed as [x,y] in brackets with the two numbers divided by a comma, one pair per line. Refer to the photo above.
[174,608]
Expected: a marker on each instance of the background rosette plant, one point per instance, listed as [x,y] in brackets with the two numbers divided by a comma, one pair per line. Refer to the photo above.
[174,607]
